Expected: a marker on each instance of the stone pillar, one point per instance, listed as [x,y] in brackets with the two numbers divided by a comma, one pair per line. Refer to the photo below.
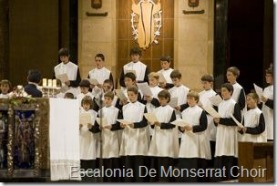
[193,41]
[4,38]
[97,34]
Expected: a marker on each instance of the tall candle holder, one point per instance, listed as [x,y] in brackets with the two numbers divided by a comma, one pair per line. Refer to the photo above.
[49,88]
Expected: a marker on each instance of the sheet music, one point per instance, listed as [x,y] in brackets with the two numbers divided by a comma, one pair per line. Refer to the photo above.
[85,118]
[125,122]
[162,78]
[63,77]
[93,81]
[236,121]
[120,94]
[102,121]
[151,117]
[215,100]
[258,90]
[173,102]
[144,89]
[212,111]
[180,123]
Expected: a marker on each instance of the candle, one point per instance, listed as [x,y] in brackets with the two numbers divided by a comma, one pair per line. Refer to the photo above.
[54,83]
[49,82]
[44,82]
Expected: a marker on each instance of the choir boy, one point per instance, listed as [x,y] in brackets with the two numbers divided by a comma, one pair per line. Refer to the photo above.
[166,71]
[5,87]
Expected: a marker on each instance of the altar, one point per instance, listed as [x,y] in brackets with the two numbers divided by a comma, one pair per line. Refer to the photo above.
[25,125]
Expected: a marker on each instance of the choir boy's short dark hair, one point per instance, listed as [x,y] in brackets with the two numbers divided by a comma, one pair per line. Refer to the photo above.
[175,74]
[135,50]
[87,100]
[133,89]
[254,96]
[228,86]
[34,76]
[84,83]
[207,77]
[234,70]
[164,94]
[166,58]
[193,94]
[6,82]
[109,95]
[63,52]
[130,75]
[69,95]
[101,56]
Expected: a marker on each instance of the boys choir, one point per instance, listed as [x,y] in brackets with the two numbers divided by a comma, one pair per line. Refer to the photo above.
[126,139]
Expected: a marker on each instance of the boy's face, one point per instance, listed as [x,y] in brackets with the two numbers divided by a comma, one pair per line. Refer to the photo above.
[165,65]
[107,87]
[99,62]
[84,90]
[135,57]
[225,93]
[176,81]
[163,101]
[206,85]
[108,101]
[64,59]
[86,106]
[5,88]
[128,82]
[231,77]
[251,103]
[191,101]
[269,78]
[153,81]
[132,96]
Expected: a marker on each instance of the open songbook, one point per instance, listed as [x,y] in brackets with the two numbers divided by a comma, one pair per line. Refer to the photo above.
[173,102]
[180,123]
[212,111]
[63,77]
[102,122]
[162,78]
[236,121]
[145,89]
[85,118]
[120,94]
[151,117]
[215,100]
[125,122]
[93,81]
[258,90]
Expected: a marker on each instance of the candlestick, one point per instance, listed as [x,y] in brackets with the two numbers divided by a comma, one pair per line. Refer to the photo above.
[54,83]
[50,83]
[44,82]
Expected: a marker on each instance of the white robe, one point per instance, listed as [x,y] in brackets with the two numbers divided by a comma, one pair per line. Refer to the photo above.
[205,101]
[166,74]
[88,140]
[100,74]
[194,145]
[71,70]
[139,67]
[135,141]
[236,93]
[268,113]
[226,136]
[164,142]
[251,119]
[179,92]
[110,141]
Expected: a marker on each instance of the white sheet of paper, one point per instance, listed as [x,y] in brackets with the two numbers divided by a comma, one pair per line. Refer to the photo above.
[132,71]
[93,81]
[85,118]
[102,121]
[212,111]
[63,77]
[180,123]
[162,78]
[173,102]
[236,121]
[126,122]
[258,90]
[120,94]
[151,117]
[215,100]
[144,87]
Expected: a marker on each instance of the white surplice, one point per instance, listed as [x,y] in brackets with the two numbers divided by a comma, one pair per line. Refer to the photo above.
[166,73]
[139,67]
[268,113]
[100,74]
